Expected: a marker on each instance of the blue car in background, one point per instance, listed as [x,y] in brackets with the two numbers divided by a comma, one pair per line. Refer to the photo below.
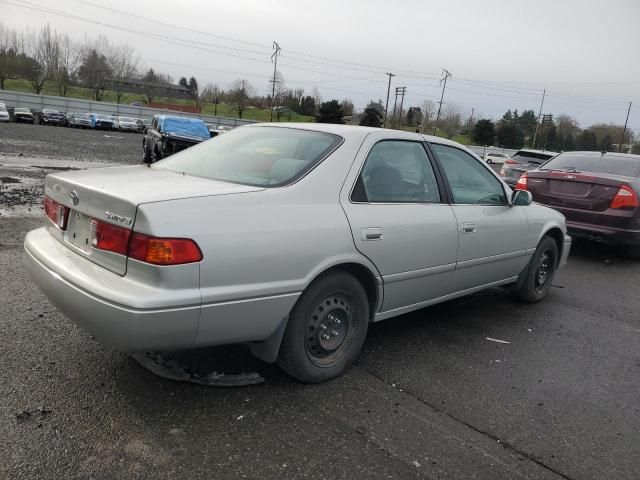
[169,134]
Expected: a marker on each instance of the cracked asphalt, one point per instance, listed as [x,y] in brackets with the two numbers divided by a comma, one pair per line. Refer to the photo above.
[429,397]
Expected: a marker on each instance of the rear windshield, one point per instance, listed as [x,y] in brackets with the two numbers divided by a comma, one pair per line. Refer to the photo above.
[259,156]
[611,164]
[532,157]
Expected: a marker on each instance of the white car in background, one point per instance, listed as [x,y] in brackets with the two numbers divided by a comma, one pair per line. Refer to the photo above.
[4,115]
[495,157]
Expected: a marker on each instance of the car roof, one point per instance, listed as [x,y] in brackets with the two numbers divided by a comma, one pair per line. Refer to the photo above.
[590,153]
[544,152]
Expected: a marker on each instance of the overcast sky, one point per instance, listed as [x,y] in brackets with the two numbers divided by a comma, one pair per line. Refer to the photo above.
[501,53]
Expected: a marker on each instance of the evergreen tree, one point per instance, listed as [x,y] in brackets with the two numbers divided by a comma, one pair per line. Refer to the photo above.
[605,145]
[371,117]
[483,132]
[507,117]
[330,112]
[183,82]
[510,135]
[587,141]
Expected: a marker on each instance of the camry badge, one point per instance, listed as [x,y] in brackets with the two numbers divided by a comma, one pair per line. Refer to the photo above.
[570,177]
[74,197]
[118,218]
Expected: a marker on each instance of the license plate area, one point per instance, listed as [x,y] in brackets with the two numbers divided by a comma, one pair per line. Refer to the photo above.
[78,230]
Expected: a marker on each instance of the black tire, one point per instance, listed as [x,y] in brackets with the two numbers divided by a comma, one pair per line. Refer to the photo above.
[489,161]
[156,155]
[146,156]
[326,329]
[537,278]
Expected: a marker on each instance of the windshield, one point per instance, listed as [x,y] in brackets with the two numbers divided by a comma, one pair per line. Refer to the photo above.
[126,119]
[259,156]
[499,155]
[532,157]
[21,110]
[627,166]
[103,117]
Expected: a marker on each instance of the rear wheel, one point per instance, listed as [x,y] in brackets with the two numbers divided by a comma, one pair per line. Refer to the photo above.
[538,276]
[489,161]
[326,329]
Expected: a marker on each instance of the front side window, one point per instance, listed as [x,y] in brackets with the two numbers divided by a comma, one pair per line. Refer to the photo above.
[397,171]
[470,181]
[260,156]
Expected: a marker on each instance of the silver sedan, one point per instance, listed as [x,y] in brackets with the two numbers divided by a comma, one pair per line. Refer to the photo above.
[291,239]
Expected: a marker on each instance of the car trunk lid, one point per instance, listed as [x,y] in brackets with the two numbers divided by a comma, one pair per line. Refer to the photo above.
[574,190]
[112,195]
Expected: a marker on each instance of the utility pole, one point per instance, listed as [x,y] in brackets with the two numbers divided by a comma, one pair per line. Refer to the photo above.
[274,59]
[535,134]
[402,90]
[624,130]
[395,106]
[386,107]
[471,120]
[446,74]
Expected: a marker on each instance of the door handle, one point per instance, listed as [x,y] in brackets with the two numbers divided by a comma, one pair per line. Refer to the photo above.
[371,233]
[469,228]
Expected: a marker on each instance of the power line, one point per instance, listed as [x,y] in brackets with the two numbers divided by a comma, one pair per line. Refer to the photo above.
[535,135]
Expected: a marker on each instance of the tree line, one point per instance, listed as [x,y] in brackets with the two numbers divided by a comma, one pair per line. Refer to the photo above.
[562,133]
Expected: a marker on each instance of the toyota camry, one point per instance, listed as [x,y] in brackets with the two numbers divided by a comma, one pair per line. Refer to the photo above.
[291,239]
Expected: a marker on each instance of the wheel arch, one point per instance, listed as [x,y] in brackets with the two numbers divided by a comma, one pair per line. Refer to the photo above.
[558,236]
[267,350]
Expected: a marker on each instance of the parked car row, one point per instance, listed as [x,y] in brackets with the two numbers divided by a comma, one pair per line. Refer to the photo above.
[74,119]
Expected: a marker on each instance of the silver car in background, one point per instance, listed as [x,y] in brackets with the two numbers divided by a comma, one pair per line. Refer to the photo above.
[291,239]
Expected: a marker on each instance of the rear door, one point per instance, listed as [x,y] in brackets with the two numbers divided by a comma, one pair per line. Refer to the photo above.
[493,234]
[400,220]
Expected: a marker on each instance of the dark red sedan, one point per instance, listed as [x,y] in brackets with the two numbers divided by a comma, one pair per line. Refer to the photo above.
[597,192]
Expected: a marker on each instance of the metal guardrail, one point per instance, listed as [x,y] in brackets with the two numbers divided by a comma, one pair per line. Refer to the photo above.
[37,103]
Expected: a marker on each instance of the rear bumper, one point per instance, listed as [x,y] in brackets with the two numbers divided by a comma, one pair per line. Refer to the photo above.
[612,236]
[98,301]
[135,317]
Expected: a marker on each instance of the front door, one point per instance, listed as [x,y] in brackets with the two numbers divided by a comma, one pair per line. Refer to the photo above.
[400,221]
[493,234]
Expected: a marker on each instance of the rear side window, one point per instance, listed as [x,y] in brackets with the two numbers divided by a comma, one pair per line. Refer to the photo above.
[532,157]
[259,156]
[470,181]
[627,166]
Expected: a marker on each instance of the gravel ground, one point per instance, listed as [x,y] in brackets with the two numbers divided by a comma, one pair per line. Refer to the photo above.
[429,397]
[69,143]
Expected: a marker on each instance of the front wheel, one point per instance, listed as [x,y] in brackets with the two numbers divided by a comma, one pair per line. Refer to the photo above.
[326,329]
[536,279]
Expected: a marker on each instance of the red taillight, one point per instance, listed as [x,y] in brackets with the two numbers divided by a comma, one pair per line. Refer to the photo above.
[111,238]
[511,161]
[164,251]
[56,212]
[625,198]
[521,184]
[158,251]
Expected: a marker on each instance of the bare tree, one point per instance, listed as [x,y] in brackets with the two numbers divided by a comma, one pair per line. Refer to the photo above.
[212,93]
[239,94]
[123,64]
[566,125]
[67,65]
[317,98]
[10,50]
[347,107]
[450,121]
[429,109]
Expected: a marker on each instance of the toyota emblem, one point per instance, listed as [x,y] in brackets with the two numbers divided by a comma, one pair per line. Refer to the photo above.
[74,197]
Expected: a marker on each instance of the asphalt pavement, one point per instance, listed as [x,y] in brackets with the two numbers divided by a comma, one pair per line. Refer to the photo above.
[431,396]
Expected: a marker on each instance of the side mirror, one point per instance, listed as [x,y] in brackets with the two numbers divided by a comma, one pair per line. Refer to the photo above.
[521,198]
